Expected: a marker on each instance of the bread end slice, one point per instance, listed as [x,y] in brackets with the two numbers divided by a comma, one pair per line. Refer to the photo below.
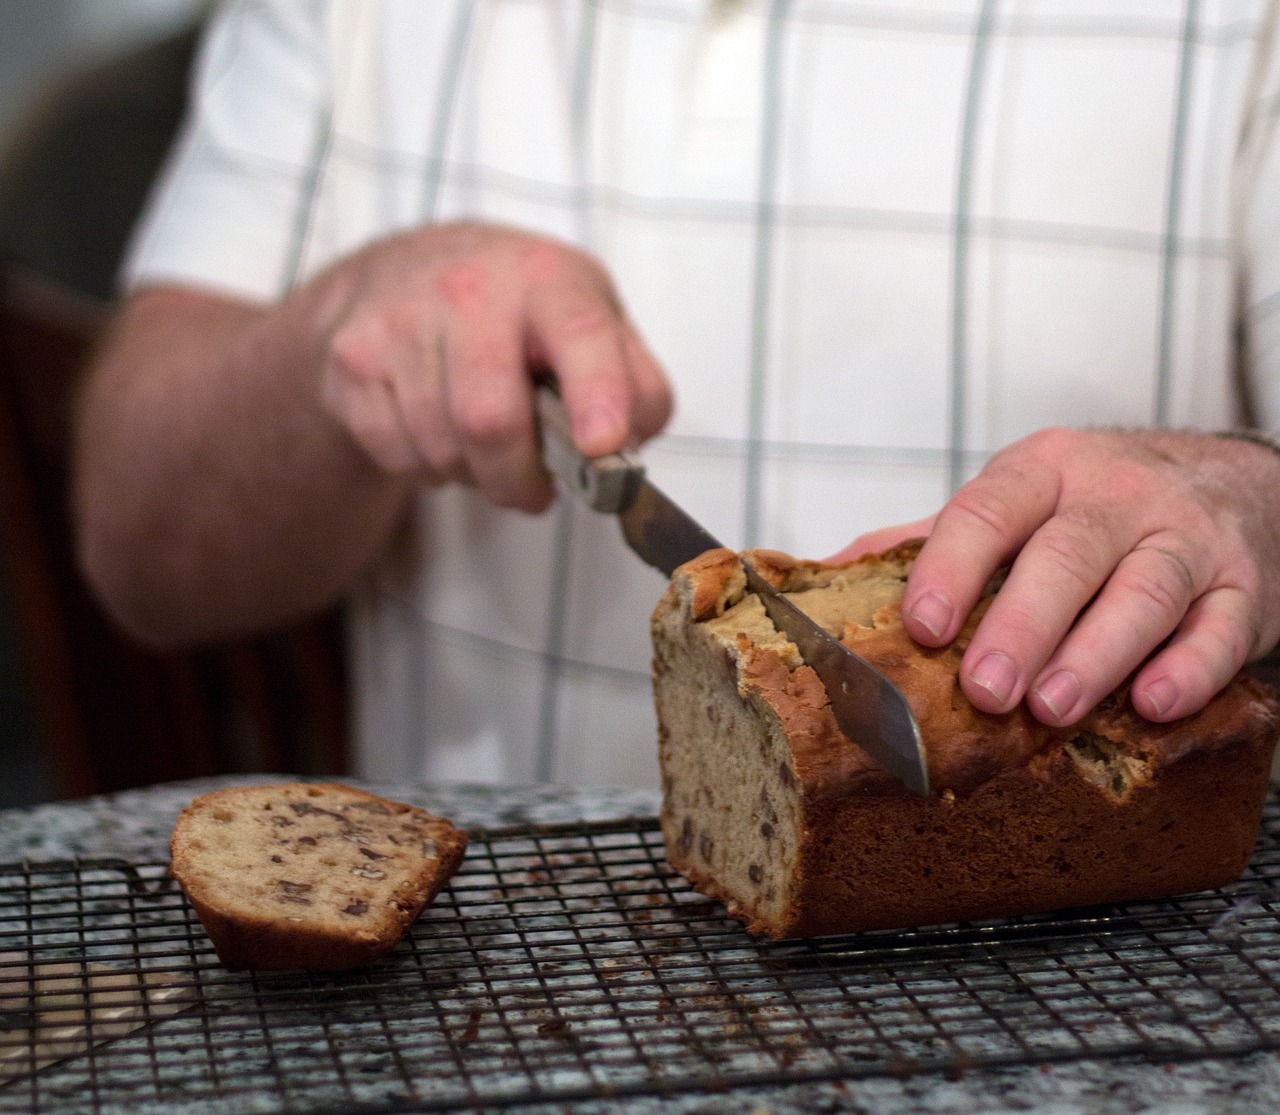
[315,876]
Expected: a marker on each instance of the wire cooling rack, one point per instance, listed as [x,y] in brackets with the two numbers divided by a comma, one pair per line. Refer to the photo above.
[570,963]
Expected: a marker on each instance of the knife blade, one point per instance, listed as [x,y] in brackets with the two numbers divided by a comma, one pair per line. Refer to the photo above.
[869,709]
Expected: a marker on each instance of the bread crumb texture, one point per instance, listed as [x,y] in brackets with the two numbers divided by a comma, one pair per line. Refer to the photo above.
[770,809]
[309,875]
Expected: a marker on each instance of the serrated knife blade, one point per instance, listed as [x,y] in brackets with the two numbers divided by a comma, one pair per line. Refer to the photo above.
[868,707]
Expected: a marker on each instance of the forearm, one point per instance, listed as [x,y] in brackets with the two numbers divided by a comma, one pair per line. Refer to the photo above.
[214,492]
[240,466]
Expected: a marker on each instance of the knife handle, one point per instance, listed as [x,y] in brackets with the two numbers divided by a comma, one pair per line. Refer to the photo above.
[606,483]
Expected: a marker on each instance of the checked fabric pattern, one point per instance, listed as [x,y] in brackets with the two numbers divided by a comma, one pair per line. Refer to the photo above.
[871,242]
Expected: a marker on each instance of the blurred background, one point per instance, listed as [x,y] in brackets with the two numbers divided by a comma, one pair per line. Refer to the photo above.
[91,92]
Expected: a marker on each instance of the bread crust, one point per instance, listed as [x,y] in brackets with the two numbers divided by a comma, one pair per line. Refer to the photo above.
[260,894]
[1022,817]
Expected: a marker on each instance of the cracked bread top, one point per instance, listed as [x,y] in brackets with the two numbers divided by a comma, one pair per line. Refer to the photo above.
[860,603]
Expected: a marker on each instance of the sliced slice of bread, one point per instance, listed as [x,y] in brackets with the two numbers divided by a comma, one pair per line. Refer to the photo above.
[317,876]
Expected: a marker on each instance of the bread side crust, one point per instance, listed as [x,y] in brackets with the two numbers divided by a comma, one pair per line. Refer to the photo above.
[247,938]
[1023,818]
[1028,841]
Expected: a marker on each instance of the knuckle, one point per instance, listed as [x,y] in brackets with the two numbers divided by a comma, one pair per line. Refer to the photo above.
[1175,568]
[1053,443]
[543,261]
[1083,520]
[1239,630]
[1164,590]
[1257,588]
[584,322]
[1224,648]
[1071,555]
[354,353]
[462,282]
[1020,625]
[485,419]
[548,263]
[988,505]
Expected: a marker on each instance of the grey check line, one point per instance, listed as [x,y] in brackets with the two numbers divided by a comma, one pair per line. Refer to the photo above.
[1267,106]
[236,16]
[1224,36]
[1173,214]
[405,608]
[792,215]
[908,456]
[438,141]
[877,17]
[553,650]
[960,251]
[194,146]
[761,300]
[269,169]
[240,13]
[549,704]
[415,651]
[1264,307]
[308,191]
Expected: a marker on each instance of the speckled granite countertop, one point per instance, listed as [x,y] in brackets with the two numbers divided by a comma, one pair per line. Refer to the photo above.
[136,824]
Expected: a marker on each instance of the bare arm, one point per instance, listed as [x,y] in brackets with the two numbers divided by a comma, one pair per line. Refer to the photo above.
[214,493]
[238,466]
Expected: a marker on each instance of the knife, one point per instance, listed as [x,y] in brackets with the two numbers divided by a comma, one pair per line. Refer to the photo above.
[868,707]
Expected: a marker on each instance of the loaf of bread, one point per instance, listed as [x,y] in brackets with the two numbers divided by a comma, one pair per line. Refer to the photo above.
[768,808]
[315,876]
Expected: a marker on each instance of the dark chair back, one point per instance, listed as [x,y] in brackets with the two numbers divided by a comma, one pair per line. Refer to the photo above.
[110,713]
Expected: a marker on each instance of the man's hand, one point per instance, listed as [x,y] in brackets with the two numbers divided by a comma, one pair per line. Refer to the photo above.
[239,465]
[1121,543]
[431,337]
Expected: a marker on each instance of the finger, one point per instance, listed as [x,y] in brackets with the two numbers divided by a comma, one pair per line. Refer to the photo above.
[578,330]
[489,403]
[369,412]
[413,359]
[876,541]
[1059,570]
[355,390]
[652,400]
[1141,604]
[981,527]
[1212,643]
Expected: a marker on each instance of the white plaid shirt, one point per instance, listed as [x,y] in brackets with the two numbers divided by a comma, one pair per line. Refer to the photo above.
[871,242]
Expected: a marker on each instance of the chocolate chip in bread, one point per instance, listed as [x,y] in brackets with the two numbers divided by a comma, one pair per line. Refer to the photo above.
[770,809]
[313,876]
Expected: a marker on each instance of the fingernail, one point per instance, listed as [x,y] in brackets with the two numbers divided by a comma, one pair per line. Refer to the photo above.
[1060,692]
[933,613]
[996,673]
[1159,696]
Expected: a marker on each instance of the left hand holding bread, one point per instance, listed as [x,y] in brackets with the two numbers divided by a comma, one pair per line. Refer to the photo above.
[1122,543]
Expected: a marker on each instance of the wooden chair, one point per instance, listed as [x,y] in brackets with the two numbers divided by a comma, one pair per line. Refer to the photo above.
[110,713]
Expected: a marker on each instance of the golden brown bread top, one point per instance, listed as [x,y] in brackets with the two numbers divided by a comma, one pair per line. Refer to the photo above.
[860,603]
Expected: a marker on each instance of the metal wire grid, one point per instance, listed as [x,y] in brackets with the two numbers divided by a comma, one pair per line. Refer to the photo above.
[570,963]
